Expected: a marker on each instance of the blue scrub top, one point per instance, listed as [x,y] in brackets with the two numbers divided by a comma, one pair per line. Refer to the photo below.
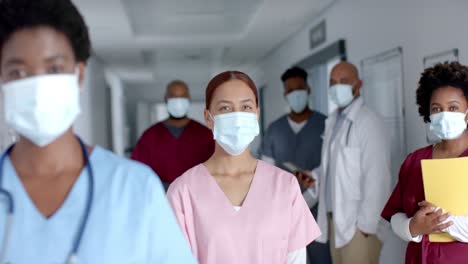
[130,221]
[303,149]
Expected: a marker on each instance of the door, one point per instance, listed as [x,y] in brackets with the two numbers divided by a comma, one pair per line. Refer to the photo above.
[319,76]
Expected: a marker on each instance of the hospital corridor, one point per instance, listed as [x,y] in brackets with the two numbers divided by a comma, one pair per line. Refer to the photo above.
[233,132]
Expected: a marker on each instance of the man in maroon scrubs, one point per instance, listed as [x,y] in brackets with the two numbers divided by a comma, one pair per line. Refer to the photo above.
[177,144]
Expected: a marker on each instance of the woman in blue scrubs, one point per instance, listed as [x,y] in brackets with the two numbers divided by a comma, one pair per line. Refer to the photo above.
[70,202]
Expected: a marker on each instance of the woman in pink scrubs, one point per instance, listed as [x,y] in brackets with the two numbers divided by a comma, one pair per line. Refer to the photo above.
[234,208]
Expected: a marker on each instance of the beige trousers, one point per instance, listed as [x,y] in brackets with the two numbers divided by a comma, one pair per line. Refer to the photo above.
[360,250]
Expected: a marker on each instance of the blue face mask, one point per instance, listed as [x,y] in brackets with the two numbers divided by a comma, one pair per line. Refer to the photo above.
[235,131]
[298,100]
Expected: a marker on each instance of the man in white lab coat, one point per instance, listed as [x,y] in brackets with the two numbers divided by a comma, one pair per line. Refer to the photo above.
[353,180]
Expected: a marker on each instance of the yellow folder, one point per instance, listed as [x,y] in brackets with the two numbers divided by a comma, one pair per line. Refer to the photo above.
[446,186]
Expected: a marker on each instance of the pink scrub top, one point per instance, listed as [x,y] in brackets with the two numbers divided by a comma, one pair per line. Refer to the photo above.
[274,219]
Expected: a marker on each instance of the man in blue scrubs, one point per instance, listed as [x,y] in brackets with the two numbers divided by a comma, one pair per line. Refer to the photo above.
[69,206]
[294,142]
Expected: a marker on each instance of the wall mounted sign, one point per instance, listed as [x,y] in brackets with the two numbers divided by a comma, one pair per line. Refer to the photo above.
[318,35]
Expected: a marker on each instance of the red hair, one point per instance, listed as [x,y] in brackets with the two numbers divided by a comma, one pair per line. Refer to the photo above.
[226,76]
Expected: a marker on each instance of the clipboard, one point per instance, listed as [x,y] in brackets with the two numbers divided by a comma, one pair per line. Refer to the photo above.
[291,167]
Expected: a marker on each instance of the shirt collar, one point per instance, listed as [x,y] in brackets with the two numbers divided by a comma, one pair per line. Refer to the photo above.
[352,110]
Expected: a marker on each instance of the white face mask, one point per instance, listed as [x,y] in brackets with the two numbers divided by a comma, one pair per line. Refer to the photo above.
[341,94]
[448,125]
[42,108]
[235,131]
[298,100]
[178,107]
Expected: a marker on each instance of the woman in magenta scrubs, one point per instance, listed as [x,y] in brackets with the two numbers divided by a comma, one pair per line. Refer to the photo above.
[442,97]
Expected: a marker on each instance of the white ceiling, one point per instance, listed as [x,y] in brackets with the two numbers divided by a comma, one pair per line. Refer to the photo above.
[153,41]
[188,17]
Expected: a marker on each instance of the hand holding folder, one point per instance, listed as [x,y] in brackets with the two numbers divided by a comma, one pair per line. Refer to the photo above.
[446,186]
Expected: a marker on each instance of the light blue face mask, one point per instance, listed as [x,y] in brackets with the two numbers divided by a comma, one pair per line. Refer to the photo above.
[448,125]
[178,107]
[235,131]
[298,100]
[341,94]
[42,108]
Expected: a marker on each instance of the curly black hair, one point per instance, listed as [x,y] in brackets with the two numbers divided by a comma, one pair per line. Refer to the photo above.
[61,15]
[294,72]
[441,75]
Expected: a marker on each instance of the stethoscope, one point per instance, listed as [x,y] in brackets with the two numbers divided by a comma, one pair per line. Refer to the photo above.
[351,123]
[72,257]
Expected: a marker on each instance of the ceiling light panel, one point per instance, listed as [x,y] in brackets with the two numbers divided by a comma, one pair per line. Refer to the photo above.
[189,17]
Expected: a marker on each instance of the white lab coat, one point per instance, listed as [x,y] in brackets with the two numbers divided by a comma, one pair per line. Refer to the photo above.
[361,162]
